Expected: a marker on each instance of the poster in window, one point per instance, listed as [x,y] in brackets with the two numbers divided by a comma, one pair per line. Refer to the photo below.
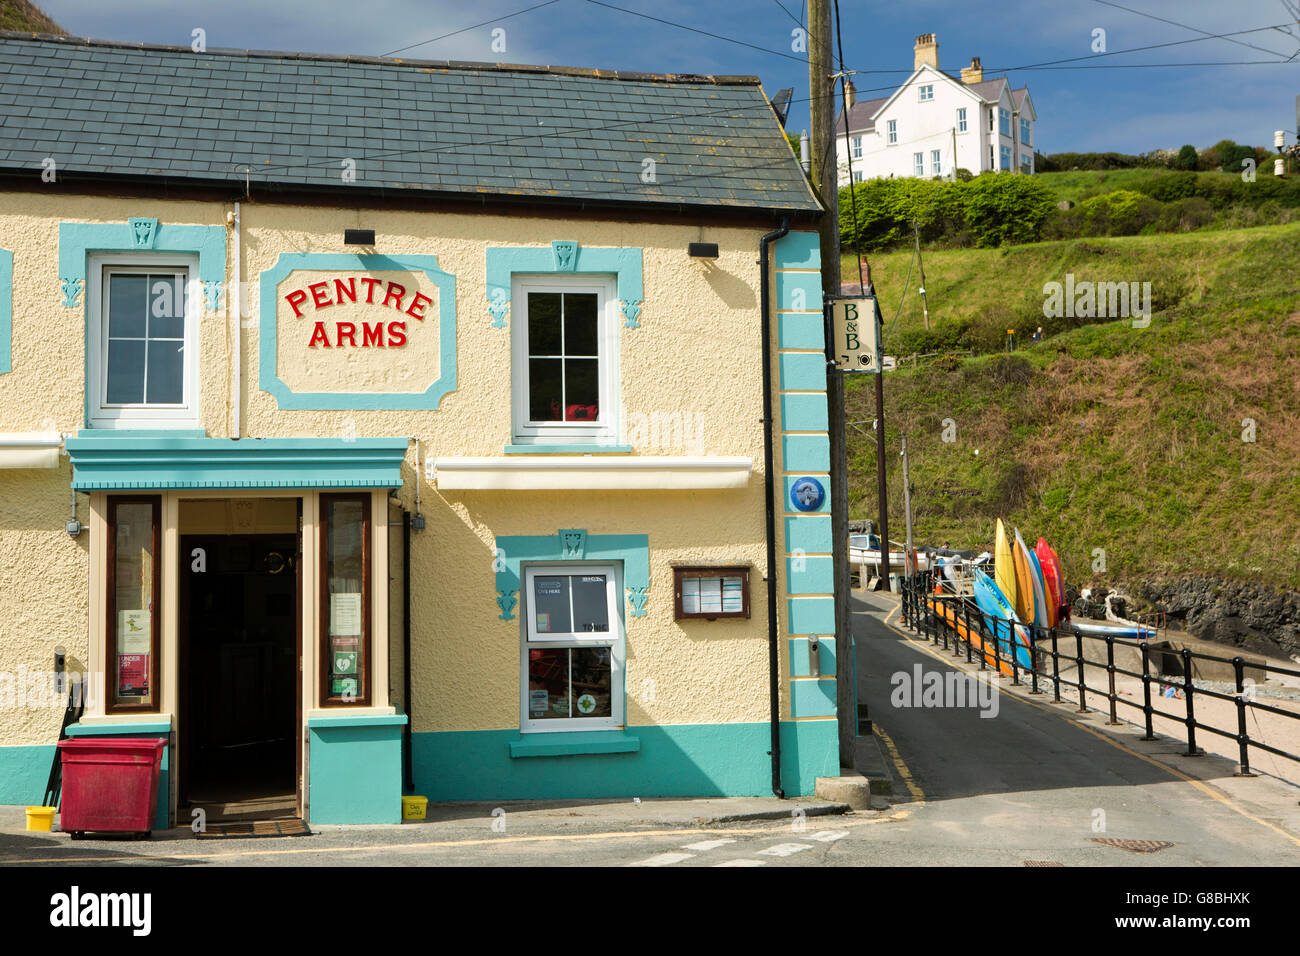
[345,614]
[733,595]
[134,632]
[551,604]
[590,603]
[345,662]
[132,675]
[344,687]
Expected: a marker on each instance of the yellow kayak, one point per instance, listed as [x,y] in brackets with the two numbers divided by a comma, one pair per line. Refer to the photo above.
[1004,567]
[1024,602]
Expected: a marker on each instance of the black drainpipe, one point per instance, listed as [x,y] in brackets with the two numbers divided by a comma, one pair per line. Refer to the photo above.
[769,482]
[408,772]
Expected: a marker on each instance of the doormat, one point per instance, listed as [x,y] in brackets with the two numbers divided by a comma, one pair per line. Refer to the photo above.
[262,828]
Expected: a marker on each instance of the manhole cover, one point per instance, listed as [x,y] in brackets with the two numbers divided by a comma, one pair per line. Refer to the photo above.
[1133,846]
[1042,863]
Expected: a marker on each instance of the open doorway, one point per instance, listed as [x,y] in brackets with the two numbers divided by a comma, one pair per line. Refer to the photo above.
[240,656]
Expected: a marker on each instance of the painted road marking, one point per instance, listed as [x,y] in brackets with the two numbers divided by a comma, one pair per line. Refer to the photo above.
[665,859]
[742,863]
[829,836]
[785,849]
[917,793]
[1205,788]
[704,845]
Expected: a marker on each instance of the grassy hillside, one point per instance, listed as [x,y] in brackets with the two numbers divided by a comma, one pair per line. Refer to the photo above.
[27,18]
[1104,436]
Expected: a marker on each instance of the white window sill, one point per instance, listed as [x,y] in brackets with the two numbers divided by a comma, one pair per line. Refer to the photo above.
[526,473]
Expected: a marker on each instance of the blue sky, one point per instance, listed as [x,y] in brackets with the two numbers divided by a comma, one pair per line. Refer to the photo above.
[1126,110]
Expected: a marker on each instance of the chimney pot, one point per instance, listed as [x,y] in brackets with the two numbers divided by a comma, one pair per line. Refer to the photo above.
[926,51]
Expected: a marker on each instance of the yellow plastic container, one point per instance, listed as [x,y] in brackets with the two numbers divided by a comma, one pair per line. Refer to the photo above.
[413,808]
[42,818]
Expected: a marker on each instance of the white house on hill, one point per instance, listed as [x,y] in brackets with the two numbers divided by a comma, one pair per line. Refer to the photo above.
[936,123]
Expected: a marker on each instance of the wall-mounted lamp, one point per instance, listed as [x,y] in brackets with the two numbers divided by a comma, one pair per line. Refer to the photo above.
[358,237]
[702,250]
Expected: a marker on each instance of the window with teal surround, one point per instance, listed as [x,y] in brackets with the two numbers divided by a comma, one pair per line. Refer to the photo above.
[6,308]
[290,262]
[564,257]
[572,544]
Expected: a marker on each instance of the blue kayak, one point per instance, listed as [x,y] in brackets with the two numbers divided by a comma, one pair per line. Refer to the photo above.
[999,619]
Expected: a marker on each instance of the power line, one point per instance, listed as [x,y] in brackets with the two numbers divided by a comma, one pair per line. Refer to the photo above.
[716,36]
[1184,26]
[453,33]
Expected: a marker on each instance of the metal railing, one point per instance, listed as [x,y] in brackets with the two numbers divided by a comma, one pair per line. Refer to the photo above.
[920,611]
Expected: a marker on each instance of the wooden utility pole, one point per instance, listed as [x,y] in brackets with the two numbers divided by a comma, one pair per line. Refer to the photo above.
[910,553]
[925,305]
[825,179]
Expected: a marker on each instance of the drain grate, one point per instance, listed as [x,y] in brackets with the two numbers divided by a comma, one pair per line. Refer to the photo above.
[1042,863]
[1134,846]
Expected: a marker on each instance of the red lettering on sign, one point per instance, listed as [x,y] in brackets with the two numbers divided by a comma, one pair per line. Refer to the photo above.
[318,335]
[372,334]
[346,330]
[396,334]
[370,288]
[317,291]
[398,294]
[350,290]
[296,298]
[419,302]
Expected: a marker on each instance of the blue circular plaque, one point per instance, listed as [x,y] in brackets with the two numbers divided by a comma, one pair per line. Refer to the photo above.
[807,494]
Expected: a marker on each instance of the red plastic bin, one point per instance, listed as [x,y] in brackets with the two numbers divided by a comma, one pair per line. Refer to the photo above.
[110,784]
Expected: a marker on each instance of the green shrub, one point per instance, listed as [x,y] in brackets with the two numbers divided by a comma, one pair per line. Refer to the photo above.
[1187,158]
[1005,209]
[1124,212]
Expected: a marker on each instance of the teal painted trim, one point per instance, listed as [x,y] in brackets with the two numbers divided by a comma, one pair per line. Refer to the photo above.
[633,550]
[357,720]
[145,728]
[141,433]
[804,413]
[808,533]
[813,698]
[801,330]
[810,575]
[100,464]
[285,397]
[798,291]
[6,310]
[576,449]
[355,772]
[578,742]
[77,239]
[823,508]
[803,372]
[564,258]
[811,615]
[799,656]
[803,453]
[24,771]
[798,250]
[675,760]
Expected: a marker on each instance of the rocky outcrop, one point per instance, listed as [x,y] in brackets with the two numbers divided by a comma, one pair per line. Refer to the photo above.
[1254,617]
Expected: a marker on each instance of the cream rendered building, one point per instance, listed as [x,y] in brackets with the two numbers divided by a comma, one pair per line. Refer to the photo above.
[371,428]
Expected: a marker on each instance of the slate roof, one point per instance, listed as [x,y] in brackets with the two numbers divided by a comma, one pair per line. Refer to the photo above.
[102,108]
[861,115]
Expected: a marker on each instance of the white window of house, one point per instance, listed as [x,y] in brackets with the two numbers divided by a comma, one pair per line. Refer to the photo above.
[858,175]
[927,93]
[1004,122]
[1006,157]
[857,147]
[142,341]
[573,648]
[565,348]
[1024,131]
[918,162]
[1026,161]
[990,119]
[893,132]
[990,155]
[961,120]
[936,162]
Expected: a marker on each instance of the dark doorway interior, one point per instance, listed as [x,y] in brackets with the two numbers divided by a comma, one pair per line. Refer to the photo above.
[239,640]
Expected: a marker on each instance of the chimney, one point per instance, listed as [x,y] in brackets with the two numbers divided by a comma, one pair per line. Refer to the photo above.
[973,73]
[850,94]
[927,51]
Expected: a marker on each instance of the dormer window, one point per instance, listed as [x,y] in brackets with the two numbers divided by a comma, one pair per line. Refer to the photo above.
[927,93]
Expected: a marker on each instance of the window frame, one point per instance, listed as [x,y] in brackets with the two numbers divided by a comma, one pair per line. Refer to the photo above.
[891,132]
[606,431]
[961,119]
[1004,122]
[1025,132]
[324,663]
[615,640]
[918,163]
[99,413]
[704,571]
[856,147]
[1005,159]
[923,89]
[111,706]
[936,162]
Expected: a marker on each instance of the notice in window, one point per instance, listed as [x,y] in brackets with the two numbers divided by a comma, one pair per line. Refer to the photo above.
[134,632]
[702,596]
[133,675]
[733,595]
[345,614]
